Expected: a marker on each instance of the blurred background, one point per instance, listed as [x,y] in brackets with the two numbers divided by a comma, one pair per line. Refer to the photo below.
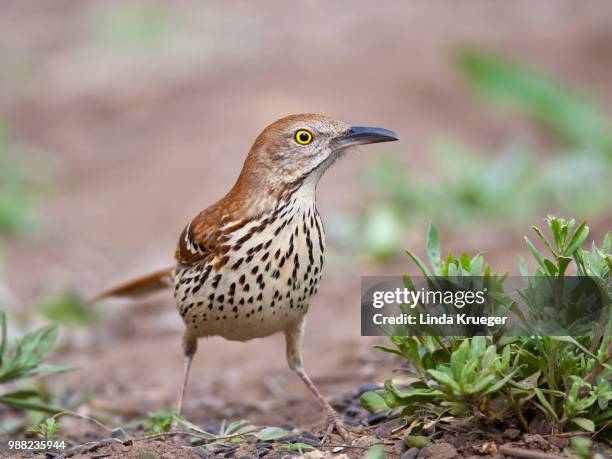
[119,121]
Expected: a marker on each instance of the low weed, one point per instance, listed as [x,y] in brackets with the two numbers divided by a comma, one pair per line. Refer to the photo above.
[23,360]
[564,379]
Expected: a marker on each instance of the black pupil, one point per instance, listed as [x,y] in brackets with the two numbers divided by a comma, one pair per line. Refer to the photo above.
[304,136]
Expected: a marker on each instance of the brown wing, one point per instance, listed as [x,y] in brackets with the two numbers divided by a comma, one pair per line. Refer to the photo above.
[207,237]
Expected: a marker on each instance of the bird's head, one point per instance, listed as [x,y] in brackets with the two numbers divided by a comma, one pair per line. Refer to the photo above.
[298,149]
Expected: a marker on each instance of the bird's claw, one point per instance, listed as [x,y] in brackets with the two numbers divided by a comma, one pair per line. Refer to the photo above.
[333,422]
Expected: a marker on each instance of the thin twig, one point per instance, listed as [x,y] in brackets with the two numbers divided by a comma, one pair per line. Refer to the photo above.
[81,416]
[526,454]
[568,434]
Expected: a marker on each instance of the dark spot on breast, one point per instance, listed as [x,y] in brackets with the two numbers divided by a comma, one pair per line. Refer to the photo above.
[236,265]
[216,281]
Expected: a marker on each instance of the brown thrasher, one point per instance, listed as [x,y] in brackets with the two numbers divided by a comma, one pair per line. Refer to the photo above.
[247,266]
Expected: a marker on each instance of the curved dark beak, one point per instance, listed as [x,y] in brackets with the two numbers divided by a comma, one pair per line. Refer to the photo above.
[361,135]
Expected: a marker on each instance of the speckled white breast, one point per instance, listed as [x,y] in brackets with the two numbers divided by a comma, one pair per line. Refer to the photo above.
[266,283]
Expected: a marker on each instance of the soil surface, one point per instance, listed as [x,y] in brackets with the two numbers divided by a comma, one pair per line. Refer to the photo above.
[142,132]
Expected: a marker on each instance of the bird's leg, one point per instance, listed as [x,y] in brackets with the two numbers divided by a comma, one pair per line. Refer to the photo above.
[190,346]
[293,337]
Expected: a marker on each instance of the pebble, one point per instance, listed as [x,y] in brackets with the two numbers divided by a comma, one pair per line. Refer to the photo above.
[355,422]
[247,457]
[511,434]
[354,410]
[439,451]
[118,433]
[264,445]
[535,441]
[400,447]
[559,442]
[377,417]
[312,437]
[309,439]
[412,453]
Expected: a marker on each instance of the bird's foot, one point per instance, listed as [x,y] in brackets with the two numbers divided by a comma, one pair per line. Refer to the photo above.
[333,422]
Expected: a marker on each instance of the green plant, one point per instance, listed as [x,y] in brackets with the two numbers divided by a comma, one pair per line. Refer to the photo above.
[68,309]
[561,109]
[566,379]
[24,360]
[48,429]
[296,447]
[158,422]
[17,189]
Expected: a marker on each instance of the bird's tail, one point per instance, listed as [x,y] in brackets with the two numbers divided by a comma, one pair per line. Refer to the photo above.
[141,286]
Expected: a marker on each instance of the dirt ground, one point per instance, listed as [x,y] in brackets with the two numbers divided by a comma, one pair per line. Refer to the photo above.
[144,137]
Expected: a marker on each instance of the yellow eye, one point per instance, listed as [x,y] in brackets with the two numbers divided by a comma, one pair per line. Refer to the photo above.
[303,137]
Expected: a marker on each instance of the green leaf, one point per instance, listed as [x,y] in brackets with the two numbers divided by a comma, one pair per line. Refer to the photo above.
[433,247]
[523,269]
[299,447]
[549,410]
[271,433]
[578,239]
[417,441]
[445,379]
[26,404]
[373,402]
[544,238]
[536,254]
[4,339]
[419,263]
[22,394]
[563,264]
[584,424]
[241,426]
[459,359]
[540,97]
[191,426]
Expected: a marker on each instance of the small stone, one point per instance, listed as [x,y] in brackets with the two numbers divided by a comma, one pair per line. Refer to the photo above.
[376,418]
[442,451]
[511,434]
[264,445]
[354,410]
[412,453]
[202,453]
[488,448]
[400,447]
[354,422]
[559,442]
[292,438]
[309,441]
[118,433]
[535,441]
[247,457]
[310,435]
